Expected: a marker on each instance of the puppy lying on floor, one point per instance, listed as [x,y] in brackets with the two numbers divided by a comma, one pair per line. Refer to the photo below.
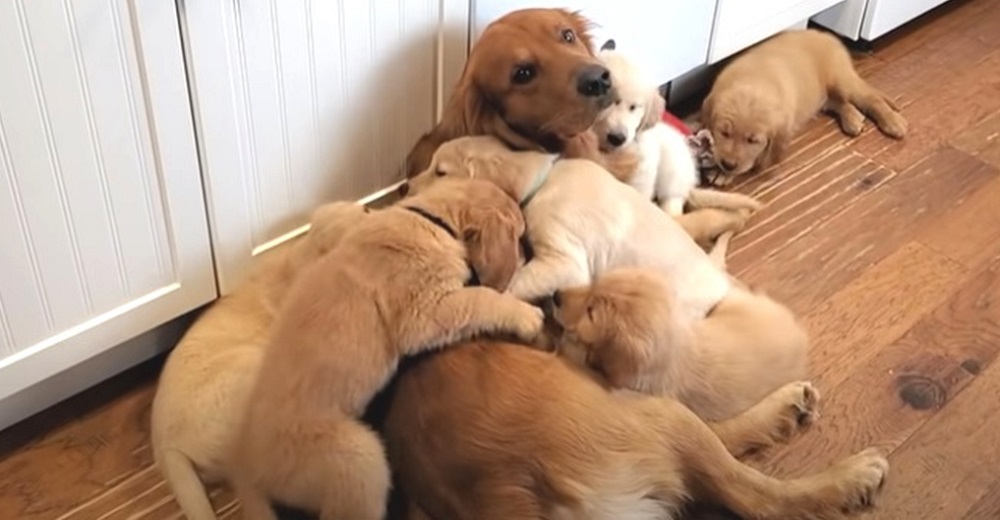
[395,286]
[532,81]
[498,431]
[761,100]
[630,327]
[666,171]
[206,380]
[581,222]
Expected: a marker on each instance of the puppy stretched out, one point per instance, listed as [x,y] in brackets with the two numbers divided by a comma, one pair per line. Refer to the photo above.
[395,286]
[206,380]
[629,327]
[498,431]
[764,96]
[666,171]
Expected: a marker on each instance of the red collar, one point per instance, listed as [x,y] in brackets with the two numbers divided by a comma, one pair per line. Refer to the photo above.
[674,121]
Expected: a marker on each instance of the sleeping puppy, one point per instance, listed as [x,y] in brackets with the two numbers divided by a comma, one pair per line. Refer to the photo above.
[532,81]
[395,286]
[762,99]
[499,431]
[206,380]
[581,222]
[666,171]
[630,327]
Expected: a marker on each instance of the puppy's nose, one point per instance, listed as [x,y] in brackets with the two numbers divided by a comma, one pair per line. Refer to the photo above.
[403,189]
[557,298]
[593,81]
[727,165]
[616,139]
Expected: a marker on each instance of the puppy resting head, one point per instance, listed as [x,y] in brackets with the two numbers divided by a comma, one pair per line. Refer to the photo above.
[486,158]
[637,105]
[621,326]
[750,128]
[487,220]
[531,79]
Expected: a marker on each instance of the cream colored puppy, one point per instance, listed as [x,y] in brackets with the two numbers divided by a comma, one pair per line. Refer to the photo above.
[206,379]
[400,283]
[582,222]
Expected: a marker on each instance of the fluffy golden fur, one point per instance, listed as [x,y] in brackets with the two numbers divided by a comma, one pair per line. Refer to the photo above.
[497,431]
[206,380]
[532,81]
[629,327]
[394,287]
[764,96]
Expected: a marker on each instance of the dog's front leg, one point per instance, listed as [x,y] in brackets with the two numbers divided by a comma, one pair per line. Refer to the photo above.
[464,313]
[545,274]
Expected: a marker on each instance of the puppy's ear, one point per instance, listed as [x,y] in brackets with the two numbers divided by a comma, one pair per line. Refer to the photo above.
[774,151]
[494,248]
[619,358]
[608,45]
[655,106]
[707,112]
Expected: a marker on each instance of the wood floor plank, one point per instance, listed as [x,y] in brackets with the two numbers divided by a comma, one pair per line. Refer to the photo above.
[902,385]
[951,462]
[813,267]
[988,507]
[981,140]
[968,232]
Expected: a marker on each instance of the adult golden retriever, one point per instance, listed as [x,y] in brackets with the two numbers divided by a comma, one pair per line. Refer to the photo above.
[761,100]
[500,431]
[532,81]
[395,286]
[206,380]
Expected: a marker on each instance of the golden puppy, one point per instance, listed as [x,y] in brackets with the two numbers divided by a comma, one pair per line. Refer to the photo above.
[762,99]
[498,431]
[629,327]
[533,82]
[206,380]
[394,287]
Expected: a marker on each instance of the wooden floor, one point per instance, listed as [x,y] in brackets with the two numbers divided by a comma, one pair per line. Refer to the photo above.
[889,251]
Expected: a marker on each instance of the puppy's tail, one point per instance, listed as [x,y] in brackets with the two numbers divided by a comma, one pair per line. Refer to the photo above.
[700,198]
[187,487]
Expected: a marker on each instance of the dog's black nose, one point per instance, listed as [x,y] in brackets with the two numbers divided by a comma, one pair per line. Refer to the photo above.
[594,81]
[727,165]
[615,139]
[556,298]
[403,189]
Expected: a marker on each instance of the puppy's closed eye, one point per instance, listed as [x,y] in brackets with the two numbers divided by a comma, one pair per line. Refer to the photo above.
[755,139]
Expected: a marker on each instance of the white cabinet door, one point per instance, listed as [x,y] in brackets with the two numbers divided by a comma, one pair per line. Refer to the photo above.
[742,23]
[870,19]
[303,101]
[104,233]
[667,38]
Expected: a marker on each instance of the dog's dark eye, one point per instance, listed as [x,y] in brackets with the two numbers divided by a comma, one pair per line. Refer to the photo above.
[590,312]
[367,209]
[632,107]
[568,36]
[523,74]
[439,172]
[724,134]
[753,139]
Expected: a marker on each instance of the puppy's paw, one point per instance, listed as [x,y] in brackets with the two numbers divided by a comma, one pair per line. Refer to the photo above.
[528,321]
[857,481]
[852,128]
[894,125]
[795,407]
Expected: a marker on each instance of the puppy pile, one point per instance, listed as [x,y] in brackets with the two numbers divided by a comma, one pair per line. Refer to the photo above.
[652,375]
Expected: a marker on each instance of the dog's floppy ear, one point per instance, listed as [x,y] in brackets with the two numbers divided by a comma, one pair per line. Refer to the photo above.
[655,106]
[707,112]
[774,151]
[494,248]
[608,45]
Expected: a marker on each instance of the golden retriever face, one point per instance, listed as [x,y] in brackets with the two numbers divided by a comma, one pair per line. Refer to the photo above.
[615,326]
[748,129]
[531,80]
[481,157]
[637,105]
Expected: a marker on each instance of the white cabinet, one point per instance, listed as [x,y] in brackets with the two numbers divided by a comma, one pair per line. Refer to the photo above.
[870,19]
[666,38]
[104,233]
[299,102]
[742,23]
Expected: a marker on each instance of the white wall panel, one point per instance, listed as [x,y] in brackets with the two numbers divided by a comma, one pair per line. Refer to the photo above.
[304,101]
[104,233]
